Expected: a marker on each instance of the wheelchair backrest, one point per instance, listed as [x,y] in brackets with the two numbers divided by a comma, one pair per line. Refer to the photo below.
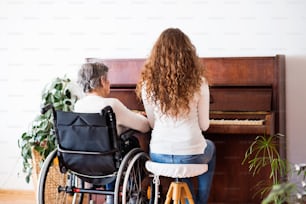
[87,142]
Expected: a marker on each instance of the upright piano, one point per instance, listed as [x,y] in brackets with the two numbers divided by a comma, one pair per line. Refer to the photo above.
[247,99]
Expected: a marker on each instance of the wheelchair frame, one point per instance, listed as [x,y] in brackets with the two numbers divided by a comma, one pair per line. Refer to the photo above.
[67,187]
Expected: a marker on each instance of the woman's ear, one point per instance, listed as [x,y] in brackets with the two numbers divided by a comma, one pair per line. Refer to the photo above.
[105,86]
[102,81]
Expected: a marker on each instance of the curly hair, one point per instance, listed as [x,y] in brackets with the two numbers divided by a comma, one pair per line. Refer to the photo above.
[172,74]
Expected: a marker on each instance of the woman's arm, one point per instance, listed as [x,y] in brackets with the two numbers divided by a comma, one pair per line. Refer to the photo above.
[149,108]
[127,118]
[203,107]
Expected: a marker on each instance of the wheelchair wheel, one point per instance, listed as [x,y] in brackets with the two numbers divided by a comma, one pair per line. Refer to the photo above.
[53,186]
[130,184]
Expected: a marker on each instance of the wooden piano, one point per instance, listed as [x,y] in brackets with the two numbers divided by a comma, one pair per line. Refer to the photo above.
[247,100]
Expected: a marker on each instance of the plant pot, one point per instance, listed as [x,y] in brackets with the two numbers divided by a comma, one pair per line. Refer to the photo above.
[36,162]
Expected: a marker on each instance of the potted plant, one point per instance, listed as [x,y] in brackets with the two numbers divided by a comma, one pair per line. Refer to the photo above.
[39,140]
[291,191]
[263,153]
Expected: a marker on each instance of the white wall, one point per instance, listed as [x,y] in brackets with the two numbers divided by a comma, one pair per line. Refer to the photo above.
[41,39]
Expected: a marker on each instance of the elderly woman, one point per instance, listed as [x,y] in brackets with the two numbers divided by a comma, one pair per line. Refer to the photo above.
[93,79]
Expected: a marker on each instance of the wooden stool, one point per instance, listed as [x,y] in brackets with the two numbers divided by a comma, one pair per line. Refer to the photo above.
[178,191]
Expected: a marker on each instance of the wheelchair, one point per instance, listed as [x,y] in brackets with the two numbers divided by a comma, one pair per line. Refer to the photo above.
[88,156]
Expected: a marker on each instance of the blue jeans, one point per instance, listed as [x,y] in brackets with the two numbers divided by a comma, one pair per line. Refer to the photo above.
[204,180]
[110,186]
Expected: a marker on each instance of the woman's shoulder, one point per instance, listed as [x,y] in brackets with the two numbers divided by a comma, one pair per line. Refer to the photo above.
[115,103]
[98,100]
[204,90]
[204,81]
[113,100]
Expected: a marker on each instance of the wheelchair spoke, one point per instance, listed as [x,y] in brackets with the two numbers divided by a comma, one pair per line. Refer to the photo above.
[132,184]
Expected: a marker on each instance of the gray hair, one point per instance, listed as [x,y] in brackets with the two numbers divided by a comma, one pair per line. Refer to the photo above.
[89,75]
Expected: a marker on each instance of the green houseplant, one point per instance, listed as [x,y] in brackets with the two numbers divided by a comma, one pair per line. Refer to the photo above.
[291,191]
[62,94]
[263,153]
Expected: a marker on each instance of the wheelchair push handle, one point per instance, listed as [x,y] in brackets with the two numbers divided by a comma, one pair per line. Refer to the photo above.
[48,107]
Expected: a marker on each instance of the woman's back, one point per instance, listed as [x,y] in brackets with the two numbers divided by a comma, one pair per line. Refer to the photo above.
[179,135]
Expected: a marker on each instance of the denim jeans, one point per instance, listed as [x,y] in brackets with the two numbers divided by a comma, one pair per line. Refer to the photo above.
[204,180]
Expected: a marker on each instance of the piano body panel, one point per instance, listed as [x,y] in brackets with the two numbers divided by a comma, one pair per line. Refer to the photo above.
[240,70]
[237,129]
[240,98]
[122,71]
[243,88]
[279,99]
[232,182]
[128,97]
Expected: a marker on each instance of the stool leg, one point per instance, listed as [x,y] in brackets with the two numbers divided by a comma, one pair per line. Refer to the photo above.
[179,191]
[169,194]
[187,194]
[176,195]
[183,200]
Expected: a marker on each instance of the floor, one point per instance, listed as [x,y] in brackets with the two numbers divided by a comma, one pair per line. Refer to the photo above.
[17,197]
[28,197]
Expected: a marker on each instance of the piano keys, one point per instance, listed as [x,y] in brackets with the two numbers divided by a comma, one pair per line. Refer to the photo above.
[247,100]
[240,123]
[236,122]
